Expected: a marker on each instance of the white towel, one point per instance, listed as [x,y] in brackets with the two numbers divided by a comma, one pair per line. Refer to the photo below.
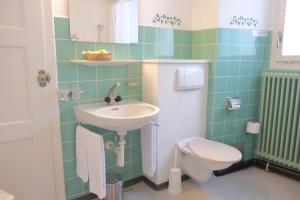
[149,149]
[90,154]
[81,153]
[96,164]
[6,196]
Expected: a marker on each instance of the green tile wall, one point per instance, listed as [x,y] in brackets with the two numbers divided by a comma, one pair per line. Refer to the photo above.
[153,43]
[238,59]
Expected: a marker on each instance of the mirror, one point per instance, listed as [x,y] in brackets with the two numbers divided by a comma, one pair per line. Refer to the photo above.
[114,21]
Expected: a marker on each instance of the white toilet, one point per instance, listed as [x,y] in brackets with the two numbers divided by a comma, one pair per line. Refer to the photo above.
[198,157]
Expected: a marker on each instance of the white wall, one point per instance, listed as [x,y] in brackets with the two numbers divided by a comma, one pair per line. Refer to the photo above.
[208,14]
[147,10]
[60,8]
[159,89]
[178,8]
[258,9]
[196,14]
[204,14]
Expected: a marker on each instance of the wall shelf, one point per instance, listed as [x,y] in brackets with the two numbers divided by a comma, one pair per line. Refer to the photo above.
[104,63]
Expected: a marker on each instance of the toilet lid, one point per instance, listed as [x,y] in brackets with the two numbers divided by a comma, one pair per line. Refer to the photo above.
[214,151]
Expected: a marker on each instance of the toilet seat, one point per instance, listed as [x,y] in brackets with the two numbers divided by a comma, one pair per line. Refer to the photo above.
[213,151]
[199,157]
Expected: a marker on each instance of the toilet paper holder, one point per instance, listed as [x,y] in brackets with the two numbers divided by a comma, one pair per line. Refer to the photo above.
[233,103]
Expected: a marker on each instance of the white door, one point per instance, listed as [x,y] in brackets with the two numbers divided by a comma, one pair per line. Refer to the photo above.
[26,160]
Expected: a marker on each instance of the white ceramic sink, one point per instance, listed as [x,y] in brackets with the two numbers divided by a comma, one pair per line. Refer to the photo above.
[119,117]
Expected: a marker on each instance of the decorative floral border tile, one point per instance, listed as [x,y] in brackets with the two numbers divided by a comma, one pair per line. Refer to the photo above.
[244,21]
[164,19]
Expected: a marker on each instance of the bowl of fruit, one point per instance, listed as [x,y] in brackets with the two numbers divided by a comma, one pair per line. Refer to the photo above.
[100,55]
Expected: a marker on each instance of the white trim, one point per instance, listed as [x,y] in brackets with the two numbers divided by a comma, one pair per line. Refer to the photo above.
[104,63]
[278,29]
[176,61]
[277,57]
[50,66]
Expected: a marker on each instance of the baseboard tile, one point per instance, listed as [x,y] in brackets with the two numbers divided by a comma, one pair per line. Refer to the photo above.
[261,164]
[236,167]
[126,184]
[89,196]
[133,181]
[161,186]
[278,169]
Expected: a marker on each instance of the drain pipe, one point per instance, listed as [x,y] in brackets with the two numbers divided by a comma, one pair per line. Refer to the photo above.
[121,149]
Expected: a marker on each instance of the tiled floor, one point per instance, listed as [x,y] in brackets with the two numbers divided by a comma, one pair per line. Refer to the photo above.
[248,184]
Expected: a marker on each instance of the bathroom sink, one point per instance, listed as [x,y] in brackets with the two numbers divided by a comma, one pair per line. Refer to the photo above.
[118,117]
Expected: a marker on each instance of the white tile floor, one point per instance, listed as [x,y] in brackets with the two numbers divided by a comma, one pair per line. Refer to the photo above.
[248,184]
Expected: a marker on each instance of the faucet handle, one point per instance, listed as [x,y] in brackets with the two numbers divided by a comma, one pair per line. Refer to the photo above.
[118,98]
[107,100]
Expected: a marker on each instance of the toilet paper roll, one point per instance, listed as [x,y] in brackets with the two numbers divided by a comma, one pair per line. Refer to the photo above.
[234,107]
[253,127]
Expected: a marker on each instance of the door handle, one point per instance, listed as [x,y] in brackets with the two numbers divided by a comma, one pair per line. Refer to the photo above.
[43,78]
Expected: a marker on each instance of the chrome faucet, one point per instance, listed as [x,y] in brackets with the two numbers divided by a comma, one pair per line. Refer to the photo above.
[110,98]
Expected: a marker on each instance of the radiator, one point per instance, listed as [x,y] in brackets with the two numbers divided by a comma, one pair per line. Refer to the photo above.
[279,139]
